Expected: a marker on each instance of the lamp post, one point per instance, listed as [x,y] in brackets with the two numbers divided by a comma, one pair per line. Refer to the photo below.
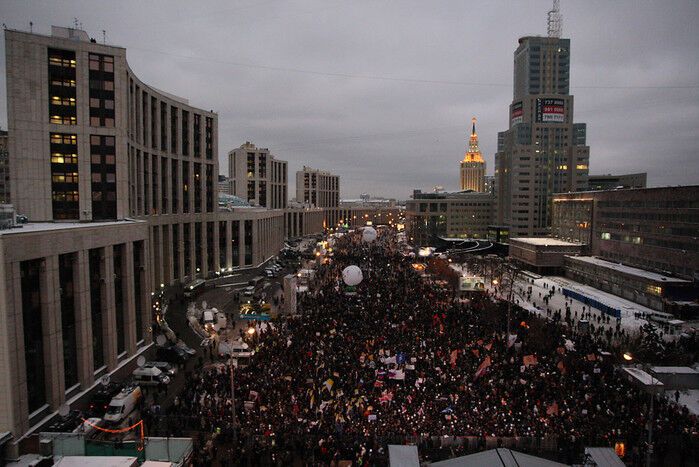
[649,453]
[235,415]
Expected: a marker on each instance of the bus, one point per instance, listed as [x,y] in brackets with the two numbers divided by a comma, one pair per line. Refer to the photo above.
[194,288]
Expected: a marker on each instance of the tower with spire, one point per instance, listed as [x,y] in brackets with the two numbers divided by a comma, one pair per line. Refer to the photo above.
[473,165]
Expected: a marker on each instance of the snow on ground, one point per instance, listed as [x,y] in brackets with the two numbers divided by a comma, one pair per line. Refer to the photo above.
[558,301]
[688,397]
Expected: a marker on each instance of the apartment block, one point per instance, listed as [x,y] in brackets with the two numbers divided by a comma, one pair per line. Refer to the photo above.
[257,176]
[317,188]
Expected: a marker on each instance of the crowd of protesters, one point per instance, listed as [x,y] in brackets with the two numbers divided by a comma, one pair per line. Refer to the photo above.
[400,359]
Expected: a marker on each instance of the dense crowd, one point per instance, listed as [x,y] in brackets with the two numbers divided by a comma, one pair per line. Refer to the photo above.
[400,359]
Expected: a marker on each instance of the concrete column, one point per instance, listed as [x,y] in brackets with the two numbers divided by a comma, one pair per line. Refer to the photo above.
[167,209]
[83,319]
[204,249]
[255,242]
[217,246]
[229,246]
[157,246]
[19,396]
[156,180]
[147,287]
[129,299]
[52,332]
[109,327]
[179,252]
[241,242]
[167,257]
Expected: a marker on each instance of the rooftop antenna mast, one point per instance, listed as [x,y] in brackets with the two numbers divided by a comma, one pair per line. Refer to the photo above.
[555,20]
[104,36]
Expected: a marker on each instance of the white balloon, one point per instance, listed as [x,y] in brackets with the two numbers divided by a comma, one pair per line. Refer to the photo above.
[352,275]
[369,234]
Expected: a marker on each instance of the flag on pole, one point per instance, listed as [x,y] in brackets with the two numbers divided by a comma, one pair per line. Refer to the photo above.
[552,409]
[529,360]
[454,355]
[482,367]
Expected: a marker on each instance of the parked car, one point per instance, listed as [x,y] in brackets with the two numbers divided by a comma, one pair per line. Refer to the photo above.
[123,404]
[66,424]
[150,376]
[165,367]
[172,354]
[99,401]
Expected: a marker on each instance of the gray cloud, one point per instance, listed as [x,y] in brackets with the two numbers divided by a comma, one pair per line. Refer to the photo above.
[267,68]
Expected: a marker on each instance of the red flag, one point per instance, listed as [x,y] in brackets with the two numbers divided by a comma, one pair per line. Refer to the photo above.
[561,366]
[552,409]
[482,367]
[561,350]
[475,352]
[454,356]
[529,360]
[489,346]
[591,357]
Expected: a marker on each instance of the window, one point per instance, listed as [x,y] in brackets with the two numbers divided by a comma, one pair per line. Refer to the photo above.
[64,175]
[101,90]
[103,176]
[606,236]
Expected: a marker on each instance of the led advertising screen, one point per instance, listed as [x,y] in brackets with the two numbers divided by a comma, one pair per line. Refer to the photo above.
[471,284]
[517,113]
[550,110]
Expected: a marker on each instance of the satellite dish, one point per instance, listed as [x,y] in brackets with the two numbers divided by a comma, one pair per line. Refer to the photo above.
[64,410]
[160,340]
[140,361]
[104,380]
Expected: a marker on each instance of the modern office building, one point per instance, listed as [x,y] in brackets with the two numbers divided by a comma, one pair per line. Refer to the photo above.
[224,185]
[473,166]
[257,176]
[655,229]
[119,183]
[464,214]
[611,182]
[489,184]
[543,152]
[317,188]
[75,301]
[4,169]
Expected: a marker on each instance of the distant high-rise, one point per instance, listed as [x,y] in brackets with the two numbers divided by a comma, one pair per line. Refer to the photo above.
[317,188]
[257,176]
[543,151]
[473,165]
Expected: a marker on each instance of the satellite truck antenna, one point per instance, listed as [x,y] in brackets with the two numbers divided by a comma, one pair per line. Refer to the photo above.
[555,20]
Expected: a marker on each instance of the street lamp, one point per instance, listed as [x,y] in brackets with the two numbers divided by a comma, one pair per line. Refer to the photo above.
[649,453]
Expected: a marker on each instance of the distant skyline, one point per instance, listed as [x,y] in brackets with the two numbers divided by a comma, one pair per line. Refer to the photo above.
[382,93]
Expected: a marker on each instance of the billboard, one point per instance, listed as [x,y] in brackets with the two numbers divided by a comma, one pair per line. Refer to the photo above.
[550,110]
[517,113]
[471,284]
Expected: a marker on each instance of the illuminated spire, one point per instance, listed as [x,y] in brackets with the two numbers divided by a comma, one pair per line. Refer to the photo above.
[474,153]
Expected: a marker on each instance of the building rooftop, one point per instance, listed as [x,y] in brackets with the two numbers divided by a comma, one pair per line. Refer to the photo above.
[48,226]
[641,273]
[675,370]
[544,241]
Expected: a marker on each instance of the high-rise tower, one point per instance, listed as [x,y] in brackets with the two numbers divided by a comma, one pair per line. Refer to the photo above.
[473,165]
[543,151]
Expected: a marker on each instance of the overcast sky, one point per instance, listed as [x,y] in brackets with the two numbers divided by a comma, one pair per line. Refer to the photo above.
[382,92]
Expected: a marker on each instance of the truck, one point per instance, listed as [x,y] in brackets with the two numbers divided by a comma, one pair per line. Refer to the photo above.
[123,404]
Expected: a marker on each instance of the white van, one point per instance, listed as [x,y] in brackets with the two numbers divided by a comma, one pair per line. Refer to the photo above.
[123,404]
[150,376]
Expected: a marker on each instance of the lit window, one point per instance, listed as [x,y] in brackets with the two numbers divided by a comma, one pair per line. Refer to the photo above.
[581,166]
[606,236]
